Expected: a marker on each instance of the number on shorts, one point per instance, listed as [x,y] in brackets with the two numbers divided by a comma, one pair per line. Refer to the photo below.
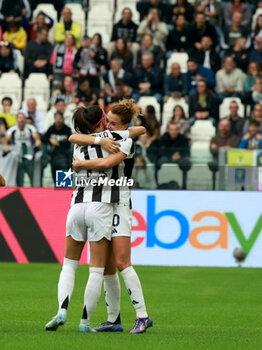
[116,220]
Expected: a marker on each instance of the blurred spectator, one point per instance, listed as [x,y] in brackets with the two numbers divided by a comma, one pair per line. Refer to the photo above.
[123,54]
[197,72]
[86,94]
[202,104]
[212,10]
[148,80]
[58,4]
[237,122]
[176,83]
[38,53]
[10,119]
[235,31]
[174,147]
[67,26]
[40,21]
[59,146]
[101,53]
[152,125]
[224,138]
[25,137]
[233,6]
[16,35]
[256,115]
[258,30]
[201,27]
[229,79]
[180,118]
[147,45]
[252,140]
[253,72]
[206,55]
[66,92]
[7,61]
[122,91]
[178,39]
[153,26]
[62,58]
[87,61]
[240,53]
[158,5]
[59,107]
[256,54]
[32,112]
[3,128]
[115,72]
[126,29]
[14,10]
[256,94]
[183,7]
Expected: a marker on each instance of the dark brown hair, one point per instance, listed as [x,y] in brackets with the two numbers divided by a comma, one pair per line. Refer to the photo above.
[85,118]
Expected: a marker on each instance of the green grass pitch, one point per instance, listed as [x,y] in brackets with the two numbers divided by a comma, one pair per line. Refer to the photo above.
[192,308]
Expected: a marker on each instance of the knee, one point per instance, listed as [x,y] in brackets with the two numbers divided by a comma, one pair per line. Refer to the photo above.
[122,262]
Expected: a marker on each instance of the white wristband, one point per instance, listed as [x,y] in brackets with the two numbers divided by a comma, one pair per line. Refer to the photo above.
[97,140]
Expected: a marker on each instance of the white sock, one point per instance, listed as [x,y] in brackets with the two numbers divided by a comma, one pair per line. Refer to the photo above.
[66,282]
[112,296]
[92,292]
[135,292]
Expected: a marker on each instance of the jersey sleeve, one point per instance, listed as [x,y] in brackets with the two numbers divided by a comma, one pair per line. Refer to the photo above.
[9,131]
[120,134]
[127,147]
[32,128]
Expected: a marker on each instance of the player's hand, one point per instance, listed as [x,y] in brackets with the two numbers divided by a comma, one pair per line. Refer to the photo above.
[110,145]
[2,180]
[76,164]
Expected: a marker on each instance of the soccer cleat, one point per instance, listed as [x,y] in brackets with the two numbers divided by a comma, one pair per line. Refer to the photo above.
[85,328]
[58,320]
[141,325]
[109,327]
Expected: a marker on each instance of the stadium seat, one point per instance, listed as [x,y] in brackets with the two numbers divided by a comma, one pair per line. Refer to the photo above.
[199,178]
[42,93]
[168,111]
[143,102]
[181,58]
[78,14]
[11,86]
[169,172]
[224,107]
[201,133]
[100,21]
[110,4]
[135,17]
[51,11]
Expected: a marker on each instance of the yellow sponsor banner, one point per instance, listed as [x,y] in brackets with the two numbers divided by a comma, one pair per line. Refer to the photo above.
[240,157]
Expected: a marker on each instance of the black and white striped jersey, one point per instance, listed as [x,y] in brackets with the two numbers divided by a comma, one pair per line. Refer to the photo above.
[105,193]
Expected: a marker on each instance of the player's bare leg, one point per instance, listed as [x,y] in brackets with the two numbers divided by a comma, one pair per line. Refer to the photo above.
[2,180]
[73,250]
[98,258]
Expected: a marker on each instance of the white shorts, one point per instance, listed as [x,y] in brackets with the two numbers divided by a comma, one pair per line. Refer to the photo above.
[122,220]
[90,221]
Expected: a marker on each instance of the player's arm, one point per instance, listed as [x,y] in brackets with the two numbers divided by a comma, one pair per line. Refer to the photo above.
[99,164]
[37,139]
[135,131]
[109,144]
[6,140]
